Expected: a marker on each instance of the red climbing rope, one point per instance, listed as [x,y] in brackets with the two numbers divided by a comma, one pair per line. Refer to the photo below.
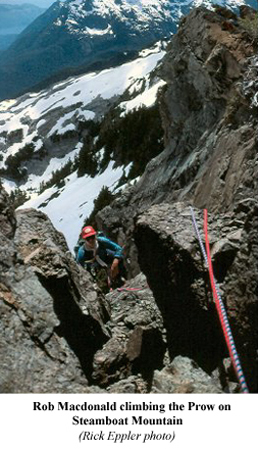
[124,288]
[222,314]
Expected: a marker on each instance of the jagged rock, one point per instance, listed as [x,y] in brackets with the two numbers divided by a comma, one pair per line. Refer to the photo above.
[211,131]
[240,290]
[209,122]
[224,374]
[131,385]
[209,113]
[7,220]
[48,307]
[170,257]
[137,343]
[59,334]
[247,12]
[183,376]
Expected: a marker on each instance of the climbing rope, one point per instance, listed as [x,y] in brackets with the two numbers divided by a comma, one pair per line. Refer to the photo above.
[219,303]
[124,288]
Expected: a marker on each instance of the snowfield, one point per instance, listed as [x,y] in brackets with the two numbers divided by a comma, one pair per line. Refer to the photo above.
[75,201]
[67,207]
[82,90]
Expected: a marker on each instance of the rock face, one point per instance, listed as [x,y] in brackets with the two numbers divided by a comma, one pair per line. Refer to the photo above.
[7,219]
[170,256]
[183,376]
[209,121]
[48,308]
[60,334]
[209,112]
[138,341]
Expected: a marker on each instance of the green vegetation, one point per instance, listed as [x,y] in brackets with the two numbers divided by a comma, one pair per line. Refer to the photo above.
[87,160]
[135,138]
[15,136]
[57,177]
[14,162]
[104,198]
[41,153]
[91,126]
[69,134]
[18,197]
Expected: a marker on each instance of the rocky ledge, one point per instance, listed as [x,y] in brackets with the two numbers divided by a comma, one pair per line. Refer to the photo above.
[171,258]
[209,112]
[59,333]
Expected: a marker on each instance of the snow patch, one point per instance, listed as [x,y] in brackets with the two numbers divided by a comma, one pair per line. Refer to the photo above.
[98,32]
[34,181]
[76,93]
[70,219]
[146,98]
[58,110]
[58,22]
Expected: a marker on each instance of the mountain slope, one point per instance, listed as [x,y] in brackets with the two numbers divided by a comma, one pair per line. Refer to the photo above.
[209,110]
[78,34]
[42,133]
[6,41]
[14,19]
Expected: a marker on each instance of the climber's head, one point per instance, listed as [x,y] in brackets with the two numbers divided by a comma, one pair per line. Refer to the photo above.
[89,234]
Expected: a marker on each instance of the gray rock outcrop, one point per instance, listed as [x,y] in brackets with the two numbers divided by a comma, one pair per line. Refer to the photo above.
[210,126]
[58,332]
[183,376]
[209,113]
[138,336]
[170,256]
[52,318]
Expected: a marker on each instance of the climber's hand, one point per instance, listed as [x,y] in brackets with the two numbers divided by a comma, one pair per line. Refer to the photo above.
[114,268]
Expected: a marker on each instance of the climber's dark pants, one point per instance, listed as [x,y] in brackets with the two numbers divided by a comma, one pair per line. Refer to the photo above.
[102,275]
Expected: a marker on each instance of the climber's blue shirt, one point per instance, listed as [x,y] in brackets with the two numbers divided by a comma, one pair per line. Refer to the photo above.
[107,251]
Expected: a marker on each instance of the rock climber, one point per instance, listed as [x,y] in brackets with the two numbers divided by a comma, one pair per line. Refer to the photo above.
[96,252]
